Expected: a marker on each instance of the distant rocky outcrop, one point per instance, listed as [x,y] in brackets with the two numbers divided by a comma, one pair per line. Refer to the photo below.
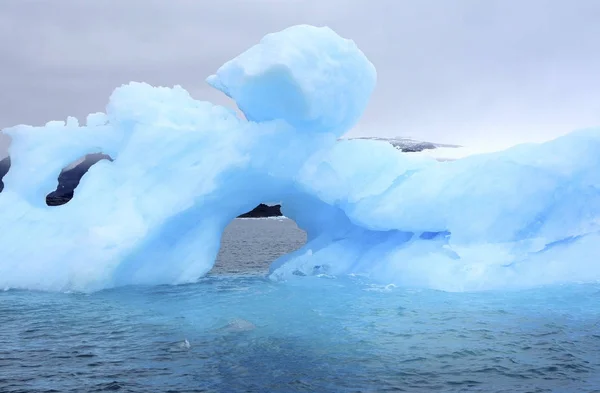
[262,211]
[407,145]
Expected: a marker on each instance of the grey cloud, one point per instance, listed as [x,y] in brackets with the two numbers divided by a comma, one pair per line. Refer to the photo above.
[466,71]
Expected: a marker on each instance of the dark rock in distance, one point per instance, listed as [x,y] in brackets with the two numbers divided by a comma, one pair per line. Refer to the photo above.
[262,211]
[407,145]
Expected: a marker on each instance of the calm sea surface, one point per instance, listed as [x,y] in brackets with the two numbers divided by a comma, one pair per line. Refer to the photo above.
[236,331]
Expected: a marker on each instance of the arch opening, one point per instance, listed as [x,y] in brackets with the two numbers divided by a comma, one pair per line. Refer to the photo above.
[70,176]
[251,242]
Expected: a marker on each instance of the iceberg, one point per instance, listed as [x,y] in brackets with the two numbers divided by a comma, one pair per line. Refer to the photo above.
[523,217]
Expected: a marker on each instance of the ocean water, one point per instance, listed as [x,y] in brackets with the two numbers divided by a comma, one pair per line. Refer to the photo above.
[237,331]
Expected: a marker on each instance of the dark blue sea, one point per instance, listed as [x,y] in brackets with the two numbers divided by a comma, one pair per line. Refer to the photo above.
[237,331]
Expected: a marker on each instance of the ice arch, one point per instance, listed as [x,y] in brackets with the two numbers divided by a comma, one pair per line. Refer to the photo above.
[220,165]
[527,216]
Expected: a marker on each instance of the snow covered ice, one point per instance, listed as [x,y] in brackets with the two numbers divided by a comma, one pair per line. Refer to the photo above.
[524,217]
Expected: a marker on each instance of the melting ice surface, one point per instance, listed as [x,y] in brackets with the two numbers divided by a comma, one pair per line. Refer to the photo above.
[524,217]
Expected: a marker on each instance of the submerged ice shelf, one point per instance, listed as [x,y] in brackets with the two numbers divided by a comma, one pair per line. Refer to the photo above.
[523,217]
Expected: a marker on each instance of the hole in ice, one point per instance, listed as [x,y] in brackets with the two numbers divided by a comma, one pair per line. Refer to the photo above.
[70,176]
[4,167]
[4,157]
[249,246]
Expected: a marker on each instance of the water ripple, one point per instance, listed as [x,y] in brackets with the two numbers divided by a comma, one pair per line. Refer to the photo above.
[311,334]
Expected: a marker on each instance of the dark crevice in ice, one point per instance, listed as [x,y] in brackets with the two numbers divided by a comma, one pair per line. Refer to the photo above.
[69,179]
[4,167]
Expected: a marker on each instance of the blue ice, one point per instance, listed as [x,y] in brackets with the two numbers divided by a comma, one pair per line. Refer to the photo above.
[527,216]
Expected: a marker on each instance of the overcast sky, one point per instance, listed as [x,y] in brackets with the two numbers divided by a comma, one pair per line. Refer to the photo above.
[469,72]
